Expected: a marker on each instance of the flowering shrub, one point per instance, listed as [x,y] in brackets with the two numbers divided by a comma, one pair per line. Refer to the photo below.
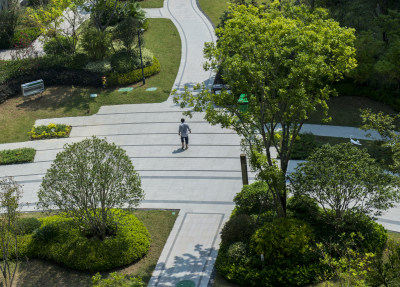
[50,131]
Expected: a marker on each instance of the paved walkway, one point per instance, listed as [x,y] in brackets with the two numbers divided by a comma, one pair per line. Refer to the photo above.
[201,181]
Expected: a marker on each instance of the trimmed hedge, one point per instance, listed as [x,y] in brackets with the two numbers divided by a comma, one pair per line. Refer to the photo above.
[27,225]
[19,155]
[60,240]
[50,131]
[115,79]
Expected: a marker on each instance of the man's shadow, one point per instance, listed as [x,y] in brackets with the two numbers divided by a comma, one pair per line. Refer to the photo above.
[179,150]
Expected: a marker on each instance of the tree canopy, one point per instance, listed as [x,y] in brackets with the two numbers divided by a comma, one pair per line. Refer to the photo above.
[344,178]
[89,178]
[284,58]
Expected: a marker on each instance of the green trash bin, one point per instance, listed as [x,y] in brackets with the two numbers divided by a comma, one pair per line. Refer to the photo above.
[243,103]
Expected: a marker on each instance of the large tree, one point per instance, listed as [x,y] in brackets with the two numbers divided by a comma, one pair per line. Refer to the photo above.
[344,178]
[89,178]
[284,58]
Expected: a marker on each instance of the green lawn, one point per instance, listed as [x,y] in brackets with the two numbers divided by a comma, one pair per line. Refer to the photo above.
[214,9]
[345,110]
[34,272]
[151,3]
[18,114]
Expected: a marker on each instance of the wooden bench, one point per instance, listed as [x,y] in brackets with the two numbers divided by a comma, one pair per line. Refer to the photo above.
[32,88]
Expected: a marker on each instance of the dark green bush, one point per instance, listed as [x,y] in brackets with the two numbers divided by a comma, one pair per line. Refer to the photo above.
[27,225]
[70,247]
[289,256]
[59,45]
[285,241]
[124,61]
[304,147]
[96,43]
[238,228]
[19,155]
[254,198]
[115,79]
[373,234]
[47,232]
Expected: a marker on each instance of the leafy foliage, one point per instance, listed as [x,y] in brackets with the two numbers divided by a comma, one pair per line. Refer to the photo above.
[27,225]
[10,194]
[115,79]
[238,228]
[283,57]
[385,270]
[95,169]
[116,280]
[344,178]
[19,155]
[253,199]
[97,44]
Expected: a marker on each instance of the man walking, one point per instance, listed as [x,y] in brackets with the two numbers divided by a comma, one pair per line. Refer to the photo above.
[183,132]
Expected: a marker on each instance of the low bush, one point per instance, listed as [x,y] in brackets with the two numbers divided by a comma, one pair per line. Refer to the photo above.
[115,79]
[50,131]
[99,67]
[27,225]
[19,155]
[65,243]
[305,146]
[254,198]
[373,236]
[59,45]
[238,228]
[281,253]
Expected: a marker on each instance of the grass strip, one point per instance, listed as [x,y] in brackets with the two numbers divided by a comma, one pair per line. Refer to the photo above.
[19,155]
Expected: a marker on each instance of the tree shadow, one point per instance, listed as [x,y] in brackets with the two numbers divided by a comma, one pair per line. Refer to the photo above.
[36,272]
[64,98]
[190,266]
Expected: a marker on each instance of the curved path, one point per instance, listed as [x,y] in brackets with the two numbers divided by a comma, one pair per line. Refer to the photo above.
[201,182]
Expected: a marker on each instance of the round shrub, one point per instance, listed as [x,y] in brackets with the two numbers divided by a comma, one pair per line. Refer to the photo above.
[374,235]
[239,228]
[254,198]
[27,225]
[58,45]
[70,247]
[125,61]
[285,240]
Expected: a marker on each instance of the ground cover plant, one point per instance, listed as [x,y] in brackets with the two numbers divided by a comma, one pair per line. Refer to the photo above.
[20,155]
[50,131]
[18,114]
